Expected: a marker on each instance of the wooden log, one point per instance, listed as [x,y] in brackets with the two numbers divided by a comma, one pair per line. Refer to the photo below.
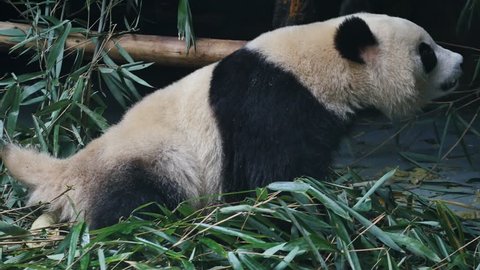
[161,50]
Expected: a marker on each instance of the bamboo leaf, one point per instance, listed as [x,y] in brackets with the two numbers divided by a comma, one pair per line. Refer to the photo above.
[97,118]
[377,184]
[72,245]
[11,229]
[135,78]
[414,246]
[38,131]
[289,186]
[13,113]
[213,245]
[32,89]
[373,229]
[55,55]
[329,203]
[124,53]
[57,106]
[230,231]
[234,261]
[12,32]
[101,259]
[288,259]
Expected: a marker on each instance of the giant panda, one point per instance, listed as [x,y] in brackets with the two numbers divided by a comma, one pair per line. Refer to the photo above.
[271,111]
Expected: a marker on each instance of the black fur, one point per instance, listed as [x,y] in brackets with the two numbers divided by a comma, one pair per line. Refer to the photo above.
[352,36]
[128,188]
[428,56]
[272,127]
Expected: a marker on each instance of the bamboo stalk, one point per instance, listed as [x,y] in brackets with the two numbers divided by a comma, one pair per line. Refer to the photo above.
[161,50]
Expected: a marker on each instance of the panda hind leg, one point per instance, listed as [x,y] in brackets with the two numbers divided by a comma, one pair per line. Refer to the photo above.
[127,188]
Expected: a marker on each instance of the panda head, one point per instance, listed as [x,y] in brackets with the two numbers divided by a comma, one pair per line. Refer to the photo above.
[403,65]
[364,60]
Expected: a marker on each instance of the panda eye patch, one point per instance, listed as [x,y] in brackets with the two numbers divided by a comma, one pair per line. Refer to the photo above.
[429,59]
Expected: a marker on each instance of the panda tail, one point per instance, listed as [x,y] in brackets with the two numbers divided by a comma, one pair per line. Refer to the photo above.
[31,167]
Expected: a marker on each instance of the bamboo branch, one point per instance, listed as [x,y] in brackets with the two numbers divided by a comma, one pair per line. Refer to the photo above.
[161,50]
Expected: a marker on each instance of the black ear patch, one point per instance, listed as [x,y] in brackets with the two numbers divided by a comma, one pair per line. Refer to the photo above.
[352,37]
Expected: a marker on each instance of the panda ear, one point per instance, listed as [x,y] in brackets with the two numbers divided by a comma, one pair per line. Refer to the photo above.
[353,39]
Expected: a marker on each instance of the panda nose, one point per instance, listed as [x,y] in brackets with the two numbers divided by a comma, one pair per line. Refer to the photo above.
[460,61]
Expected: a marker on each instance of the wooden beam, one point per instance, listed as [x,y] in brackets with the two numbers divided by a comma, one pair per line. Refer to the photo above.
[161,50]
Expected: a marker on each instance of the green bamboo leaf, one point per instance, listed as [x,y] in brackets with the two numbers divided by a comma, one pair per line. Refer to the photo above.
[38,131]
[344,240]
[101,259]
[451,225]
[289,186]
[115,88]
[134,78]
[1,134]
[273,250]
[441,244]
[22,78]
[312,240]
[108,61]
[56,257]
[329,203]
[78,90]
[373,229]
[106,70]
[140,266]
[129,87]
[136,66]
[161,249]
[97,118]
[7,99]
[12,32]
[377,184]
[250,262]
[187,265]
[124,53]
[288,259]
[56,145]
[444,136]
[244,208]
[306,235]
[55,55]
[32,89]
[11,229]
[232,232]
[234,261]
[73,242]
[57,106]
[414,246]
[12,116]
[34,100]
[24,41]
[184,24]
[80,71]
[76,134]
[214,246]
